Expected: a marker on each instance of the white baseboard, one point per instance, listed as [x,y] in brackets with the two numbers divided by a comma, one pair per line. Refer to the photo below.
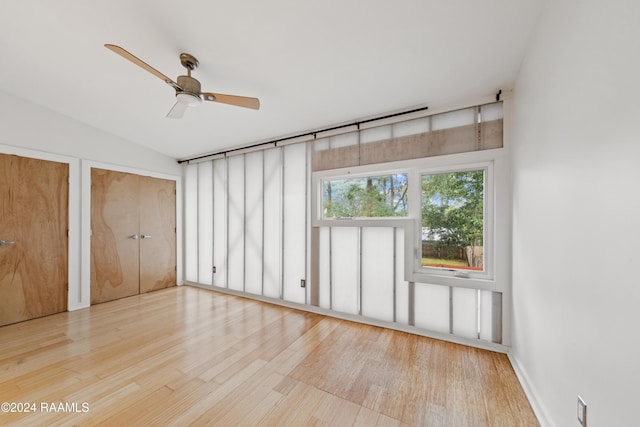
[484,345]
[536,405]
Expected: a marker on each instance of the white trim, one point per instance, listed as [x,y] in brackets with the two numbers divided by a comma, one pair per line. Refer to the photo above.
[85,273]
[504,212]
[536,404]
[75,294]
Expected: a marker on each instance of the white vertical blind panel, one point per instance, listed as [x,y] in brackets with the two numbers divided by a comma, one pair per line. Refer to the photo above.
[235,273]
[465,312]
[272,222]
[486,314]
[490,112]
[454,119]
[432,307]
[377,273]
[379,133]
[402,287]
[345,267]
[295,202]
[411,127]
[324,266]
[253,238]
[191,223]
[343,140]
[220,222]
[321,144]
[205,222]
[402,303]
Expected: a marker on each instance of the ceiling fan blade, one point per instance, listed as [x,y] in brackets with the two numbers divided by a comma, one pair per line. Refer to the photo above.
[240,101]
[177,111]
[140,63]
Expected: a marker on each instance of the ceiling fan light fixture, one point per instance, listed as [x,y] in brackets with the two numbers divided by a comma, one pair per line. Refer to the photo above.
[189,99]
[188,90]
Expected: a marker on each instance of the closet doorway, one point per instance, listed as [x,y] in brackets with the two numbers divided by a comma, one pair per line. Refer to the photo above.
[133,234]
[33,238]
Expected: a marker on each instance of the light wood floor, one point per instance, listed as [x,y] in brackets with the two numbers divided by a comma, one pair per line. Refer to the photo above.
[185,355]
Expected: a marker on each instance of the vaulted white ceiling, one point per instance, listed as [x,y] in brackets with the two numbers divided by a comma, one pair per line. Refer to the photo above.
[311,63]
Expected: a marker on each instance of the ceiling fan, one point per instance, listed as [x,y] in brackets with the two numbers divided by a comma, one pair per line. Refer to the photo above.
[187,88]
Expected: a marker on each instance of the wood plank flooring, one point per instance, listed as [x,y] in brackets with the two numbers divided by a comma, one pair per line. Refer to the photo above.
[188,356]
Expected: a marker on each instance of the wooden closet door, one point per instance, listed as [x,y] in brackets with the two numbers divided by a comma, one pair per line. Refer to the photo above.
[34,201]
[157,220]
[114,235]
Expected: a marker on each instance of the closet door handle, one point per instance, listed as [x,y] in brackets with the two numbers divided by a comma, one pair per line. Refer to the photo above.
[145,236]
[134,237]
[6,243]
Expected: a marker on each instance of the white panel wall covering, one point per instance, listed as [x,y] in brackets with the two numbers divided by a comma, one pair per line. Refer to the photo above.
[253,223]
[294,238]
[236,211]
[247,217]
[205,222]
[377,272]
[465,312]
[191,223]
[345,269]
[220,222]
[486,313]
[432,307]
[324,265]
[272,222]
[402,287]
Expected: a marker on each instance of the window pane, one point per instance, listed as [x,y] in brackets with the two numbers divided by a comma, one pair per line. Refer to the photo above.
[453,220]
[365,197]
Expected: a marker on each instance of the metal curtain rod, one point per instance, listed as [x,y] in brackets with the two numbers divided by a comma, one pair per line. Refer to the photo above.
[274,142]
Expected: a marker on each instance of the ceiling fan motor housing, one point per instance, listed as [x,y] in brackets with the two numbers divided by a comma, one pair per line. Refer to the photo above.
[189,85]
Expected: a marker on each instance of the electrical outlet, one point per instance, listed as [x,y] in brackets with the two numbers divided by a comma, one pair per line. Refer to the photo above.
[303,283]
[214,269]
[582,412]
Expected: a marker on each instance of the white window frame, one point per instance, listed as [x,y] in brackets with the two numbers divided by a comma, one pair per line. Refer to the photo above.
[322,177]
[427,274]
[497,244]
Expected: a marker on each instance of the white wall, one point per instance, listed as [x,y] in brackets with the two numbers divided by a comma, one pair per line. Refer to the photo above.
[576,314]
[29,130]
[27,125]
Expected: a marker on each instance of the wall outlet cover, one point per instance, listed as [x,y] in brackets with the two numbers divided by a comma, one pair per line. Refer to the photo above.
[582,412]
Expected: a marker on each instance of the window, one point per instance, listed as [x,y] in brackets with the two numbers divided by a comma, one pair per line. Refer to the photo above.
[453,217]
[365,197]
[442,178]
